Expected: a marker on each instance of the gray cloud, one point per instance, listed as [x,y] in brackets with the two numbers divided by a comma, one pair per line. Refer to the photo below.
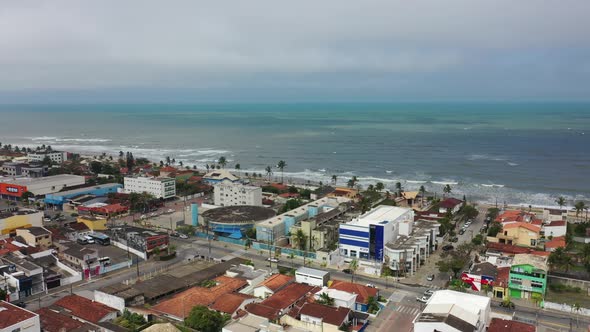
[409,48]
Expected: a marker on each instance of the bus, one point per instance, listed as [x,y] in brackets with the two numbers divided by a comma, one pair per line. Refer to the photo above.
[100,238]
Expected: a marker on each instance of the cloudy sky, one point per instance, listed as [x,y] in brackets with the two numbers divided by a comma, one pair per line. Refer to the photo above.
[330,50]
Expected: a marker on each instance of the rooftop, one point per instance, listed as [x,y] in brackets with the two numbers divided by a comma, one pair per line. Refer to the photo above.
[11,314]
[485,269]
[530,227]
[556,223]
[556,242]
[312,272]
[277,281]
[238,214]
[220,174]
[54,321]
[43,180]
[535,261]
[402,243]
[230,302]
[363,292]
[79,191]
[246,271]
[38,231]
[450,203]
[382,214]
[84,308]
[330,315]
[287,296]
[503,325]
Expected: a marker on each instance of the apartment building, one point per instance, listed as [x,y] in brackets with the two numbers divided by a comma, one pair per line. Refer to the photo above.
[227,193]
[158,187]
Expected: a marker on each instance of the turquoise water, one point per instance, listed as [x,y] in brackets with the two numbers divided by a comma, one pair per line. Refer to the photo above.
[518,152]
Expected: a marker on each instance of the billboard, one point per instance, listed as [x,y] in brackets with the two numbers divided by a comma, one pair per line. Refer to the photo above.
[476,280]
[12,189]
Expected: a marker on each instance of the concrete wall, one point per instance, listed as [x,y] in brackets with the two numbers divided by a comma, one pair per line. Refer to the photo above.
[583,284]
[566,308]
[110,300]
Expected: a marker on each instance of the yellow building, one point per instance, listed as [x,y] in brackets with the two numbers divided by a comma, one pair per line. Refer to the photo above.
[36,237]
[344,192]
[519,234]
[94,223]
[10,221]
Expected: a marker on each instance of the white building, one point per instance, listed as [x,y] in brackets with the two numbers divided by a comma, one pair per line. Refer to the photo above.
[451,311]
[365,237]
[555,228]
[227,193]
[341,298]
[312,277]
[412,247]
[157,187]
[18,319]
[44,185]
[56,157]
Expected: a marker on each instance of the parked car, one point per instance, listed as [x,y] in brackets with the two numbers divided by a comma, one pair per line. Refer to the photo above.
[170,211]
[175,234]
[21,304]
[430,277]
[370,285]
[422,299]
[454,239]
[273,259]
[448,247]
[347,271]
[428,292]
[462,231]
[183,236]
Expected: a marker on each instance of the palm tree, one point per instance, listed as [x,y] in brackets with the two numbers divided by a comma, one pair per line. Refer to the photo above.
[352,182]
[334,179]
[281,165]
[237,167]
[580,206]
[371,188]
[268,170]
[300,237]
[325,299]
[398,188]
[222,161]
[422,191]
[560,201]
[447,189]
[292,256]
[353,266]
[379,186]
[365,204]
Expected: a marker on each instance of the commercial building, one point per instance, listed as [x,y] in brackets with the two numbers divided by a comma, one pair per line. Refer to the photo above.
[312,277]
[528,276]
[22,275]
[227,193]
[16,187]
[12,169]
[56,157]
[320,231]
[366,236]
[23,218]
[233,221]
[60,198]
[158,187]
[18,319]
[94,223]
[451,311]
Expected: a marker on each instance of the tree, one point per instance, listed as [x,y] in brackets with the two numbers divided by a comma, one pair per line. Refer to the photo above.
[469,211]
[238,167]
[168,161]
[398,188]
[560,201]
[579,206]
[353,266]
[422,192]
[456,260]
[379,186]
[268,170]
[372,305]
[290,205]
[46,161]
[130,320]
[281,165]
[26,195]
[334,179]
[494,229]
[301,239]
[477,240]
[205,320]
[121,154]
[325,299]
[560,260]
[222,161]
[365,204]
[180,163]
[352,182]
[96,167]
[447,189]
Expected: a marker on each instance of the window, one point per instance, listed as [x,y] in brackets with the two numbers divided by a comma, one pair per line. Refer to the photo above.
[537,284]
[353,253]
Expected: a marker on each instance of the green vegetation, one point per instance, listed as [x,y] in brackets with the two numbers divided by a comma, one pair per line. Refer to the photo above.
[372,305]
[130,320]
[493,213]
[301,239]
[454,261]
[325,299]
[281,165]
[208,283]
[560,260]
[290,205]
[270,189]
[186,229]
[446,226]
[477,240]
[469,212]
[495,228]
[205,320]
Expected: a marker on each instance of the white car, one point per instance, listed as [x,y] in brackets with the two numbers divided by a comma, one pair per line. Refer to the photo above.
[370,285]
[170,211]
[182,236]
[428,292]
[142,217]
[273,259]
[422,299]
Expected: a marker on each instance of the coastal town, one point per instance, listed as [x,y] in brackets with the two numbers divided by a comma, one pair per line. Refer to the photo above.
[116,242]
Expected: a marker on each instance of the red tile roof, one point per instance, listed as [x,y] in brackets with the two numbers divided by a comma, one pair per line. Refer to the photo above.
[502,325]
[261,310]
[180,304]
[556,242]
[537,222]
[450,203]
[502,277]
[279,186]
[515,216]
[530,227]
[229,303]
[288,295]
[53,321]
[6,246]
[290,195]
[363,292]
[330,315]
[540,253]
[277,281]
[556,223]
[11,314]
[508,248]
[84,308]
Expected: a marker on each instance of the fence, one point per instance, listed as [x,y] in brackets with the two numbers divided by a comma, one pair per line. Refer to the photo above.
[567,308]
[283,251]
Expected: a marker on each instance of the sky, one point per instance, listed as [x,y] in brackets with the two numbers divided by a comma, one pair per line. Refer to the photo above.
[330,50]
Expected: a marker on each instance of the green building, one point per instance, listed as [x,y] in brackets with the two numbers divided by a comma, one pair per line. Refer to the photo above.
[528,276]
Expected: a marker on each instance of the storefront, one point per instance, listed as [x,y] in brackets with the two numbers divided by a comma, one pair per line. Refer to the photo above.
[11,191]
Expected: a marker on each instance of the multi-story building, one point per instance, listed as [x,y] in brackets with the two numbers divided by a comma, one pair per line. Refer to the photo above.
[227,193]
[12,169]
[410,250]
[528,276]
[36,237]
[56,157]
[519,234]
[158,187]
[366,236]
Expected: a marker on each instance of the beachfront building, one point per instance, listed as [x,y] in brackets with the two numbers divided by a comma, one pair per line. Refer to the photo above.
[219,175]
[365,237]
[158,187]
[276,228]
[555,228]
[528,276]
[58,199]
[519,234]
[448,310]
[13,188]
[320,231]
[451,205]
[412,247]
[227,193]
[56,157]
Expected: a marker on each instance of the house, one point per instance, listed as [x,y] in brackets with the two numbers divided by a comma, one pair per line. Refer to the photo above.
[341,298]
[448,310]
[230,303]
[14,318]
[272,285]
[555,228]
[36,236]
[317,317]
[363,293]
[518,233]
[480,275]
[55,320]
[87,310]
[344,192]
[504,325]
[218,176]
[528,276]
[21,274]
[178,307]
[252,323]
[500,289]
[512,216]
[281,302]
[451,205]
[556,242]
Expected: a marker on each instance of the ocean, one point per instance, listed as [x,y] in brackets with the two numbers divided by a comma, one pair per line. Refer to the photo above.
[519,153]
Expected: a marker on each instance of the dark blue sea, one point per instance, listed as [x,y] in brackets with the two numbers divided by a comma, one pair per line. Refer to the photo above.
[525,153]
